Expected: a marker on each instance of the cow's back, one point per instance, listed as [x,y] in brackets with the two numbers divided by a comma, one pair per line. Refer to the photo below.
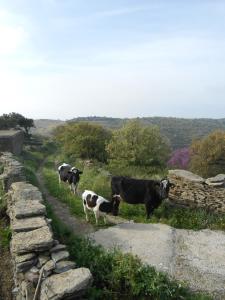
[132,190]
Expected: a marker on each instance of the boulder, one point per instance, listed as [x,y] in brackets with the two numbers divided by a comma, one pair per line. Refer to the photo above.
[186,175]
[68,285]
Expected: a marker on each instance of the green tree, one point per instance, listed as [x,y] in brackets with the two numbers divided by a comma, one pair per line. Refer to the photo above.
[83,140]
[15,120]
[138,145]
[208,154]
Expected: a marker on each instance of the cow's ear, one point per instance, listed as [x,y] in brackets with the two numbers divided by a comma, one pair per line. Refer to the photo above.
[80,172]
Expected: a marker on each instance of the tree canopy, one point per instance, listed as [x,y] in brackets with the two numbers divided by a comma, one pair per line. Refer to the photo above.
[208,154]
[138,145]
[83,140]
[15,120]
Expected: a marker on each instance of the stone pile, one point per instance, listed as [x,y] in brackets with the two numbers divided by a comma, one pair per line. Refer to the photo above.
[194,191]
[41,265]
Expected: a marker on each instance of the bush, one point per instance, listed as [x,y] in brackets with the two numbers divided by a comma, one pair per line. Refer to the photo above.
[83,140]
[180,159]
[208,154]
[139,146]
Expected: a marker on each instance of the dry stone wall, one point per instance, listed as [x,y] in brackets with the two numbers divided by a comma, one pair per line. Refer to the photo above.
[194,191]
[42,269]
[11,140]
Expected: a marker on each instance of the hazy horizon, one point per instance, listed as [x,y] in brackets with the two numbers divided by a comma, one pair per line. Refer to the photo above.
[122,59]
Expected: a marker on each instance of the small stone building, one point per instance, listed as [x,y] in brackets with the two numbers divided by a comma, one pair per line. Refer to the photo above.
[11,141]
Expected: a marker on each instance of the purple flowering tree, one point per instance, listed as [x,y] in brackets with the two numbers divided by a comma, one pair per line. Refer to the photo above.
[180,159]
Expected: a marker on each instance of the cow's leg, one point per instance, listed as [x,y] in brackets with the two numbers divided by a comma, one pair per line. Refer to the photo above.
[149,208]
[72,187]
[96,212]
[86,212]
[75,189]
[116,200]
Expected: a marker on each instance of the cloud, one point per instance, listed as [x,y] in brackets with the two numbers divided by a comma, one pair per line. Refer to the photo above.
[11,38]
[12,33]
[121,11]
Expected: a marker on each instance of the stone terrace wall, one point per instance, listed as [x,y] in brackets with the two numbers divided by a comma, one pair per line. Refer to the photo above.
[13,170]
[11,140]
[194,191]
[40,263]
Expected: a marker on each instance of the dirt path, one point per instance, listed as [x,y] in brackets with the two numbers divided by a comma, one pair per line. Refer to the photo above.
[77,226]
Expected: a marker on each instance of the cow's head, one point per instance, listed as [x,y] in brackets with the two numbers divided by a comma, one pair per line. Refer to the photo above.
[75,170]
[165,186]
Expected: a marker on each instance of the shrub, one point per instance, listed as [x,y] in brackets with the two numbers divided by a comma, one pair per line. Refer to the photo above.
[180,159]
[208,154]
[138,145]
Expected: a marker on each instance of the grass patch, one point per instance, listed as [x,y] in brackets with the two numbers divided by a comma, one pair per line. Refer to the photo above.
[117,275]
[177,217]
[97,179]
[5,232]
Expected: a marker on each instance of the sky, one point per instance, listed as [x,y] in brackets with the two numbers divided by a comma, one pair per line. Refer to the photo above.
[61,59]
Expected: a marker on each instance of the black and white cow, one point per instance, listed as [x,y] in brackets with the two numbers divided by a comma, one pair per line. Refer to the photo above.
[99,205]
[63,172]
[69,174]
[74,178]
[135,191]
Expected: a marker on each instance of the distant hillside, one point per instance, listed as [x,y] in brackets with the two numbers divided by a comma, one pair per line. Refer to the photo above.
[179,131]
[45,126]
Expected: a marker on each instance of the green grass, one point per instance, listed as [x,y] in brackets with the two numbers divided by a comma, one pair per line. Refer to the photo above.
[96,179]
[5,232]
[119,276]
[183,218]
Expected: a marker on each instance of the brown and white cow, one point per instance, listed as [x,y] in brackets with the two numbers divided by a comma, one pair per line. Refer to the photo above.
[99,205]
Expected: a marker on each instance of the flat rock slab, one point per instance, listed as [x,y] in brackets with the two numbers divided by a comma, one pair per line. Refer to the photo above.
[196,257]
[60,255]
[217,178]
[58,248]
[25,191]
[64,265]
[186,175]
[28,224]
[36,240]
[68,285]
[24,257]
[24,209]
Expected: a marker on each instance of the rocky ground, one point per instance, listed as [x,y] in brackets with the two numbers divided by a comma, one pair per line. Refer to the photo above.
[196,257]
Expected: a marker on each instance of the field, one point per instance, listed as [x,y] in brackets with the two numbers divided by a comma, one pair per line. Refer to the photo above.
[116,275]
